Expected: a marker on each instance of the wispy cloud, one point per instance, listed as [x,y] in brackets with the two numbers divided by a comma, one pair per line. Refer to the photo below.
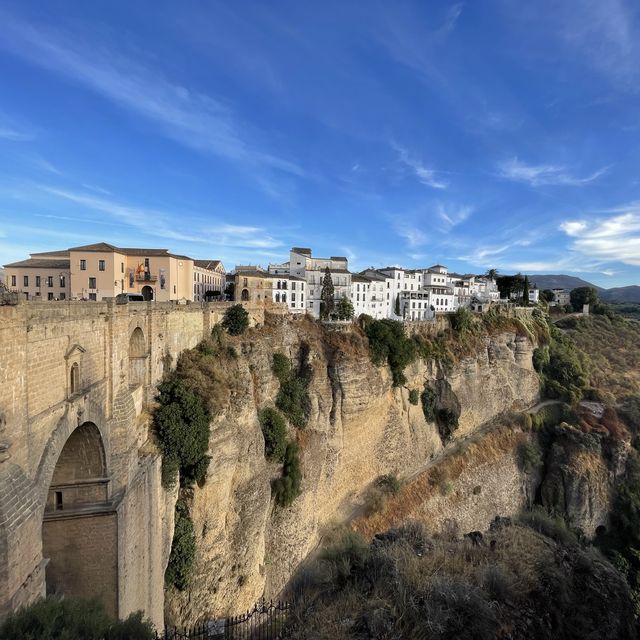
[159,223]
[425,175]
[193,119]
[411,234]
[613,239]
[452,215]
[544,174]
[14,135]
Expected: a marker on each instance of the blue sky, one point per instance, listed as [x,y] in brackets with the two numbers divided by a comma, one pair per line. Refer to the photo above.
[495,133]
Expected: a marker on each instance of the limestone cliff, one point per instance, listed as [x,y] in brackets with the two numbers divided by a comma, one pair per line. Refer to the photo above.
[360,427]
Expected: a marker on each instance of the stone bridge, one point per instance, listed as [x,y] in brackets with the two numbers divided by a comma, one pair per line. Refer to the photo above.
[82,509]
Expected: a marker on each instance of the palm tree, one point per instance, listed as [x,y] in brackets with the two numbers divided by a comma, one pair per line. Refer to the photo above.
[492,274]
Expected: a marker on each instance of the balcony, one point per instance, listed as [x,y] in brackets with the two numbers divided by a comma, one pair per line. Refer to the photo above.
[146,277]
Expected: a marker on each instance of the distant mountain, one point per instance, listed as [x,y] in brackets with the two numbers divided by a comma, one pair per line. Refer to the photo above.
[621,294]
[616,294]
[561,282]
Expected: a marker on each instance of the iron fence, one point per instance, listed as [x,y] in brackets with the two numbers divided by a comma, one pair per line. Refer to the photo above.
[264,622]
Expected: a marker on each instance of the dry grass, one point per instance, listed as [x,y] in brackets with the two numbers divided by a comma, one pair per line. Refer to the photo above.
[436,481]
[614,348]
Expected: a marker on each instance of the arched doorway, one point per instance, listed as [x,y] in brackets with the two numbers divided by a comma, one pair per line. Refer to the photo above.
[79,528]
[147,292]
[244,296]
[137,358]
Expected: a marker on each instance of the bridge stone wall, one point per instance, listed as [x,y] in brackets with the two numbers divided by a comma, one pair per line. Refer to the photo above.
[41,406]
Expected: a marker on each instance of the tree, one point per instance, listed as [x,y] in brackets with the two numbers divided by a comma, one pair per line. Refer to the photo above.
[274,431]
[582,296]
[492,274]
[327,300]
[230,290]
[236,320]
[547,295]
[525,291]
[508,285]
[397,309]
[345,309]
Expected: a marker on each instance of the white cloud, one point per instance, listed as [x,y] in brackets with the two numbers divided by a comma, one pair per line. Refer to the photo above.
[411,234]
[543,174]
[191,118]
[615,239]
[452,215]
[424,174]
[7,133]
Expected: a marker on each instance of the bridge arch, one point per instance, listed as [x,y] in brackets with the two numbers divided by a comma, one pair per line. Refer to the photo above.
[79,524]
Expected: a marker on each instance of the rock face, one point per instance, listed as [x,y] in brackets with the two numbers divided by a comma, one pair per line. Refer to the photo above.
[580,474]
[359,428]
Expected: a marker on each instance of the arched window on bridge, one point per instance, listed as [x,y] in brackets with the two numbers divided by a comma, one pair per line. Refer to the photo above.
[137,358]
[74,379]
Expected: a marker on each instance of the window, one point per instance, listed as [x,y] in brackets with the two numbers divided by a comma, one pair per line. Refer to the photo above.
[13,281]
[58,495]
[63,296]
[92,283]
[293,297]
[92,296]
[62,282]
[37,281]
[83,265]
[49,281]
[302,298]
[74,380]
[25,280]
[101,265]
[50,296]
[122,267]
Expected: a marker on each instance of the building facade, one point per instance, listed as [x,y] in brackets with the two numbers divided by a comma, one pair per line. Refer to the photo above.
[101,270]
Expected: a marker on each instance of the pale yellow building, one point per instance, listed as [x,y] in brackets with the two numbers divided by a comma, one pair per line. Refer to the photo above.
[102,270]
[208,277]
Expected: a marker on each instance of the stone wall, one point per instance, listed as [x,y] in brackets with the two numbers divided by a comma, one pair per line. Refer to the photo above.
[39,344]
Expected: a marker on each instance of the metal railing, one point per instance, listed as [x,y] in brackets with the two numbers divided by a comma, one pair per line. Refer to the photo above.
[264,622]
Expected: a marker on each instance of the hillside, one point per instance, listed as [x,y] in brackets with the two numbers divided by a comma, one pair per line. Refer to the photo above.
[621,294]
[547,281]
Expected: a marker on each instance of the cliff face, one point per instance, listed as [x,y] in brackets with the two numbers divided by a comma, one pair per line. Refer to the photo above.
[359,428]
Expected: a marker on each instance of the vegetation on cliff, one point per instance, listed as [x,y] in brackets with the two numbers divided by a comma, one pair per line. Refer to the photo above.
[389,344]
[236,320]
[293,397]
[56,618]
[513,582]
[287,487]
[274,431]
[183,549]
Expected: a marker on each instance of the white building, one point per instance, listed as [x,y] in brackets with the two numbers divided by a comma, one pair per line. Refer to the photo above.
[313,270]
[208,278]
[561,297]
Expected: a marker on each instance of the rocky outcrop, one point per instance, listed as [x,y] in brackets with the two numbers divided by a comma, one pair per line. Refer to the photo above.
[359,428]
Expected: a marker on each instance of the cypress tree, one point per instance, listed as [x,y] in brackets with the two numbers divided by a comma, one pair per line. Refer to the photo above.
[327,300]
[525,291]
[397,304]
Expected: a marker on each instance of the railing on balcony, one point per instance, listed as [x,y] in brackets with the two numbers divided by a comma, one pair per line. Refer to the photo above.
[146,277]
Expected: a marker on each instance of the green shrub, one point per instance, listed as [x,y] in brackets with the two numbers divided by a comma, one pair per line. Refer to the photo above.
[55,618]
[183,550]
[292,398]
[414,396]
[531,456]
[388,483]
[181,422]
[344,309]
[289,486]
[281,366]
[447,421]
[275,434]
[388,343]
[461,321]
[429,401]
[236,320]
[552,526]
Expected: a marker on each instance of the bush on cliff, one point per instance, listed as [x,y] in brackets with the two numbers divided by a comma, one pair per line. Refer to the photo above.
[183,550]
[389,344]
[55,618]
[236,320]
[292,398]
[289,486]
[275,434]
[181,421]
